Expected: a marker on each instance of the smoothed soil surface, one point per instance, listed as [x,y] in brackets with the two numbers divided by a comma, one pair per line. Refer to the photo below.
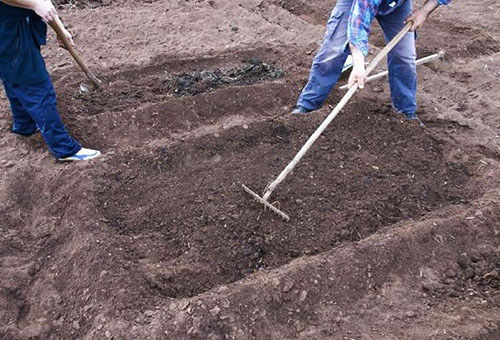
[394,230]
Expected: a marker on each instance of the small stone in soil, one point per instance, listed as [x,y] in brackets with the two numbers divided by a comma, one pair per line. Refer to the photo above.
[411,314]
[287,286]
[475,256]
[451,274]
[303,296]
[299,326]
[463,262]
[183,305]
[215,311]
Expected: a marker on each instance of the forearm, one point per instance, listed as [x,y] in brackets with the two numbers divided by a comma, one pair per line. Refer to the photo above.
[420,16]
[358,58]
[44,8]
[358,73]
[430,6]
[28,4]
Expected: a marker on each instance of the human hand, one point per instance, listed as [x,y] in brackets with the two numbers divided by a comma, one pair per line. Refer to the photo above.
[68,36]
[45,9]
[417,18]
[358,75]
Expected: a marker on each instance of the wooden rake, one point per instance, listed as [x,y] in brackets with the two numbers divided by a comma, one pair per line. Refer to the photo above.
[270,188]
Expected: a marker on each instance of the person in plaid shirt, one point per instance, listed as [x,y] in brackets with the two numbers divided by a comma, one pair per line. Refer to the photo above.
[348,29]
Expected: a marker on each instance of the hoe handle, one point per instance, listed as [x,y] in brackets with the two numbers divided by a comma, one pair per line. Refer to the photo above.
[58,27]
[334,113]
[421,61]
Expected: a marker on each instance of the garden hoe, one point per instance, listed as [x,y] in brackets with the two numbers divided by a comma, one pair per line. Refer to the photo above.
[57,25]
[270,188]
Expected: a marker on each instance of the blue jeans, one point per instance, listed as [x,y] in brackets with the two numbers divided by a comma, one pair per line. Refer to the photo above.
[328,63]
[35,107]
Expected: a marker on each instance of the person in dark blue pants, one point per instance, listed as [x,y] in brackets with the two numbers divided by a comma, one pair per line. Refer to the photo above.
[348,29]
[25,78]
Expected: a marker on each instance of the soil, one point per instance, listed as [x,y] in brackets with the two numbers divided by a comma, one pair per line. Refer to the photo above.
[394,230]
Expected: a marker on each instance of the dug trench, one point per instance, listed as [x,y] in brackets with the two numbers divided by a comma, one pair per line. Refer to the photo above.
[182,220]
[169,219]
[176,97]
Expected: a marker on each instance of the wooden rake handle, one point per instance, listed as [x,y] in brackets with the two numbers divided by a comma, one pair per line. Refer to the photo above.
[381,55]
[421,61]
[58,27]
[335,112]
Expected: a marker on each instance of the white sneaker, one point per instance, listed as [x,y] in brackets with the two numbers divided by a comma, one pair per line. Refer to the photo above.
[82,155]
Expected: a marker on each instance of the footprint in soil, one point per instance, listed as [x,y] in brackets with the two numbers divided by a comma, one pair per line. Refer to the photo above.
[282,131]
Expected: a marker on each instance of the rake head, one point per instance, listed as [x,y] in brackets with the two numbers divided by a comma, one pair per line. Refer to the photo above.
[266,203]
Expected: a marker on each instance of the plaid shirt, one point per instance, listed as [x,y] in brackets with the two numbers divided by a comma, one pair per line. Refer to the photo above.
[362,14]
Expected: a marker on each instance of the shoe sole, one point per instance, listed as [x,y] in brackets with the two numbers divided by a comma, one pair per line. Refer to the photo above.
[74,159]
[293,113]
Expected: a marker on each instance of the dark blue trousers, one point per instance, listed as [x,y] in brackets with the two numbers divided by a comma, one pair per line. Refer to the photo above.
[35,107]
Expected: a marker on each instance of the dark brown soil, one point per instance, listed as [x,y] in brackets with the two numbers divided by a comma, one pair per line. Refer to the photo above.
[376,172]
[394,228]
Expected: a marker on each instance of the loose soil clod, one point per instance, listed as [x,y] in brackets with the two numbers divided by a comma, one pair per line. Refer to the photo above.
[199,82]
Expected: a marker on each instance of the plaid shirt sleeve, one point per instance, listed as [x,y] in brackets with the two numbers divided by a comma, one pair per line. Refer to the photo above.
[362,14]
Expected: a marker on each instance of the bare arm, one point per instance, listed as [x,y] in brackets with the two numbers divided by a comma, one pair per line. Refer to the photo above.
[44,8]
[419,16]
[29,4]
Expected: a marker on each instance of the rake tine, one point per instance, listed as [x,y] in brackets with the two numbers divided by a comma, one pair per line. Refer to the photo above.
[266,204]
